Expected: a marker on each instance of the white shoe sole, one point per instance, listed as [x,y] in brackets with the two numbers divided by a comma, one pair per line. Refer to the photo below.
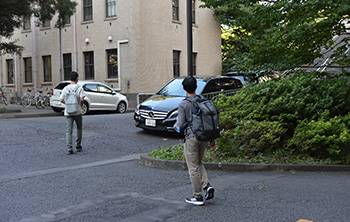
[197,203]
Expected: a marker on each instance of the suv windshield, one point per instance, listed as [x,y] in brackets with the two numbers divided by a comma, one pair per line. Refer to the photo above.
[174,88]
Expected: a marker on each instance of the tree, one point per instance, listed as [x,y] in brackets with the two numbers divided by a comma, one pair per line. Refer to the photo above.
[12,13]
[233,48]
[283,34]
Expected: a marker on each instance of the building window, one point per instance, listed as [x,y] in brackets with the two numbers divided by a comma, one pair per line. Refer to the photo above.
[67,20]
[28,76]
[112,63]
[175,10]
[193,11]
[46,23]
[67,65]
[89,65]
[47,68]
[111,7]
[176,63]
[10,77]
[26,24]
[194,63]
[87,5]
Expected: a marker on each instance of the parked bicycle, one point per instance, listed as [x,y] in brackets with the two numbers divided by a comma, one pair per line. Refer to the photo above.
[3,98]
[38,100]
[47,98]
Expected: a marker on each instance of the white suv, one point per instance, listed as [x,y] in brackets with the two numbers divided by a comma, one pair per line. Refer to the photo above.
[99,96]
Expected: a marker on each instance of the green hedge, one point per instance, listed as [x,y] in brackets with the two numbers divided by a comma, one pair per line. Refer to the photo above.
[304,113]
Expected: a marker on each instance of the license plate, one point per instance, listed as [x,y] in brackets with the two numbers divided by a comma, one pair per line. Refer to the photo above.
[151,122]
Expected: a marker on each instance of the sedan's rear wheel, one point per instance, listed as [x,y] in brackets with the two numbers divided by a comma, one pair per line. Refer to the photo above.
[121,107]
[84,108]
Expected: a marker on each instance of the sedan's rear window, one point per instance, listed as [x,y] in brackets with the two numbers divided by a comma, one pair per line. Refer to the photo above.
[62,85]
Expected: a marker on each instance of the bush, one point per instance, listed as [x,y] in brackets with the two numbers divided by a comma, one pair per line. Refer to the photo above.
[321,138]
[252,137]
[305,113]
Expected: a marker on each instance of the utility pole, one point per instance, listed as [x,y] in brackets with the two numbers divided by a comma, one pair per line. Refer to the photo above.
[189,39]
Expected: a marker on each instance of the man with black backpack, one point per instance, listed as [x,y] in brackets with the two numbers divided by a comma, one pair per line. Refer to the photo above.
[190,119]
[73,96]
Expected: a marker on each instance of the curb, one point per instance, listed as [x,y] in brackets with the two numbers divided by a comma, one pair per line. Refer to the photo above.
[146,160]
[18,113]
[10,110]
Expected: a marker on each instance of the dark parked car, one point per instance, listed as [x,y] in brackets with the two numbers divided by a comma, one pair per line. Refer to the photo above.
[159,112]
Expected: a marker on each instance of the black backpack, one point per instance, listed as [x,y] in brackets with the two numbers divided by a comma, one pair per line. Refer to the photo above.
[205,118]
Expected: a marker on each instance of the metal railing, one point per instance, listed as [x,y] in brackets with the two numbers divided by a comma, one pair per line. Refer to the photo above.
[142,94]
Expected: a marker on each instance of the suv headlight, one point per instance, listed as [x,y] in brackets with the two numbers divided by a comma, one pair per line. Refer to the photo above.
[137,110]
[173,115]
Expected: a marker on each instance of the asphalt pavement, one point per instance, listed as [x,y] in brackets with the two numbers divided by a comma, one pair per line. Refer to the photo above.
[120,189]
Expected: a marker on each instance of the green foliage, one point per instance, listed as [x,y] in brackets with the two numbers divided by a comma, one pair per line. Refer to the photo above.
[323,138]
[252,137]
[305,113]
[169,152]
[12,13]
[281,34]
[233,48]
[303,119]
[48,8]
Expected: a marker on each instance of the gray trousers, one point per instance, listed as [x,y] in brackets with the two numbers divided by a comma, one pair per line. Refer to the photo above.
[194,152]
[70,122]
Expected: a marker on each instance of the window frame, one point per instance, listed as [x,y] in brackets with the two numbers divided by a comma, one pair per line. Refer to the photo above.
[10,71]
[89,65]
[176,63]
[112,67]
[47,68]
[26,24]
[194,11]
[46,24]
[175,10]
[28,70]
[194,63]
[111,6]
[87,8]
[67,65]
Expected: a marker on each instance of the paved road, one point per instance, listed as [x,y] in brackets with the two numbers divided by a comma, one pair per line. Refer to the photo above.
[105,182]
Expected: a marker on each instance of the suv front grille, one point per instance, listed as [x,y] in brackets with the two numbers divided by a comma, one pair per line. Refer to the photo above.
[152,114]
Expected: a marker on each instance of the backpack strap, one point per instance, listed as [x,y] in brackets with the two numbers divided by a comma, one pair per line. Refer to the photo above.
[76,88]
[191,100]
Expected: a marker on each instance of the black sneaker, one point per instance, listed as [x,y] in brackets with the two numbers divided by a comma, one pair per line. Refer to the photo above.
[209,192]
[79,148]
[195,201]
[70,152]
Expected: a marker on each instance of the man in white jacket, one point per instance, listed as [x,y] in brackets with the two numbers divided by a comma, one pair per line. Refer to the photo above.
[74,117]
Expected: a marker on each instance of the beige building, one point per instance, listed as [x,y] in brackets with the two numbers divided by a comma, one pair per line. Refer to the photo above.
[131,45]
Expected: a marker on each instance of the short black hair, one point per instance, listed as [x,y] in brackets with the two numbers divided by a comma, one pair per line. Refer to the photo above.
[73,76]
[190,84]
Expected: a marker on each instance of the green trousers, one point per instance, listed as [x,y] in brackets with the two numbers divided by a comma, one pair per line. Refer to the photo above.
[70,122]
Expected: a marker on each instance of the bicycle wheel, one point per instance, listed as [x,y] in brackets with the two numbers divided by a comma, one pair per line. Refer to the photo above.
[39,102]
[46,101]
[26,100]
[4,100]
